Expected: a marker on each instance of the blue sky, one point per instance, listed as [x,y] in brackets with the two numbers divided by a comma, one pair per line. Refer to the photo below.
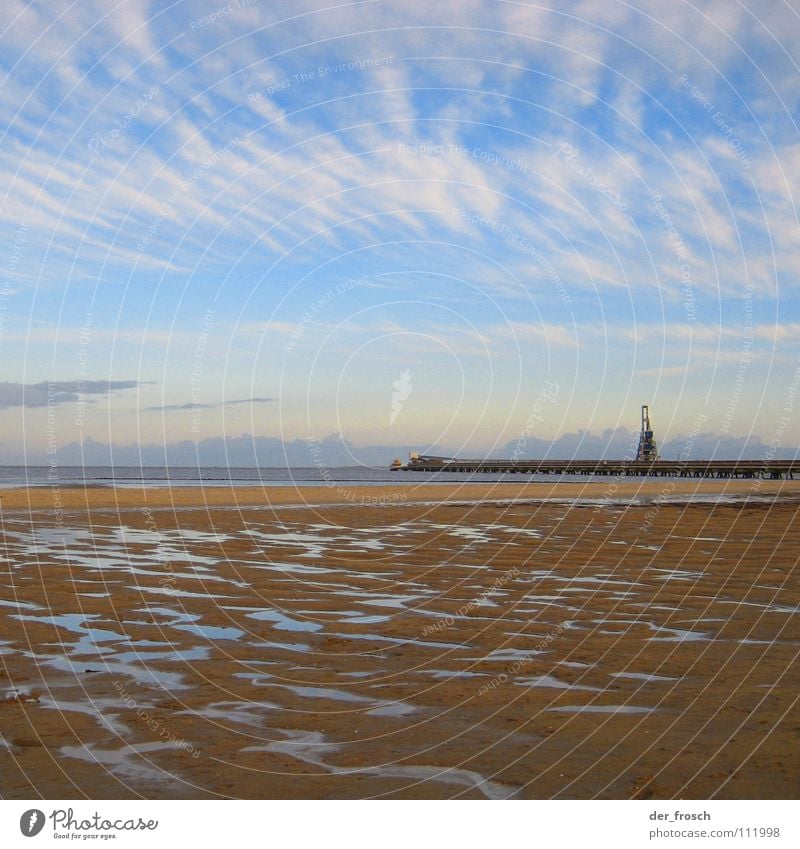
[255,217]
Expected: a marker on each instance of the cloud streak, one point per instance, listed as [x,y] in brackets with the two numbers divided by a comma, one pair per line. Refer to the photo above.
[206,406]
[58,391]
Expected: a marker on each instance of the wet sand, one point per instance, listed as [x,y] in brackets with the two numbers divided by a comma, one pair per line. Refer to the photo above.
[433,642]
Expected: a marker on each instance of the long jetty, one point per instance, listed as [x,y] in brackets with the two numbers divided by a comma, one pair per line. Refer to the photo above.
[772,469]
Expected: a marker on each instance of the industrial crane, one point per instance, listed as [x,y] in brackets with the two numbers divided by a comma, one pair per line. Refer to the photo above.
[647,444]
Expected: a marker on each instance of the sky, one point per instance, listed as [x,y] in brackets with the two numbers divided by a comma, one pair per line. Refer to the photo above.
[468,228]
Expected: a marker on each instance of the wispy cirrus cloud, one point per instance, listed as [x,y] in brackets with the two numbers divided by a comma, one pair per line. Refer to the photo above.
[169,159]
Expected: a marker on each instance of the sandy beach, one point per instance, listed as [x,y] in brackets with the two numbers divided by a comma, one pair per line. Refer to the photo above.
[92,498]
[528,640]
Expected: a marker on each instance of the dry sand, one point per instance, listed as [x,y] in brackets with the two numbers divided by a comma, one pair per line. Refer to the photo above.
[90,498]
[467,641]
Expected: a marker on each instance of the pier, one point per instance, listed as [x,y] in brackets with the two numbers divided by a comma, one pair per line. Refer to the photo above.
[770,469]
[648,463]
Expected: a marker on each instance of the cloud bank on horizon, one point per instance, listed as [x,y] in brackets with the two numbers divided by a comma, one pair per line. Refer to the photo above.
[221,205]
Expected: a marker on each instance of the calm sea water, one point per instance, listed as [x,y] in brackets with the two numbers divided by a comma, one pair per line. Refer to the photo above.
[16,476]
[154,476]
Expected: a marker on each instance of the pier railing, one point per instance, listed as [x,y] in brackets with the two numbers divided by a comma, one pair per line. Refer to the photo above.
[772,469]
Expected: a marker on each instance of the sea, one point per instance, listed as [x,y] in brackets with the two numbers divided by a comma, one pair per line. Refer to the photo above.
[349,476]
[153,476]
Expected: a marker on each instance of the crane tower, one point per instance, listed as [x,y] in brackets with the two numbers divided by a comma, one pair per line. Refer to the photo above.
[647,444]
